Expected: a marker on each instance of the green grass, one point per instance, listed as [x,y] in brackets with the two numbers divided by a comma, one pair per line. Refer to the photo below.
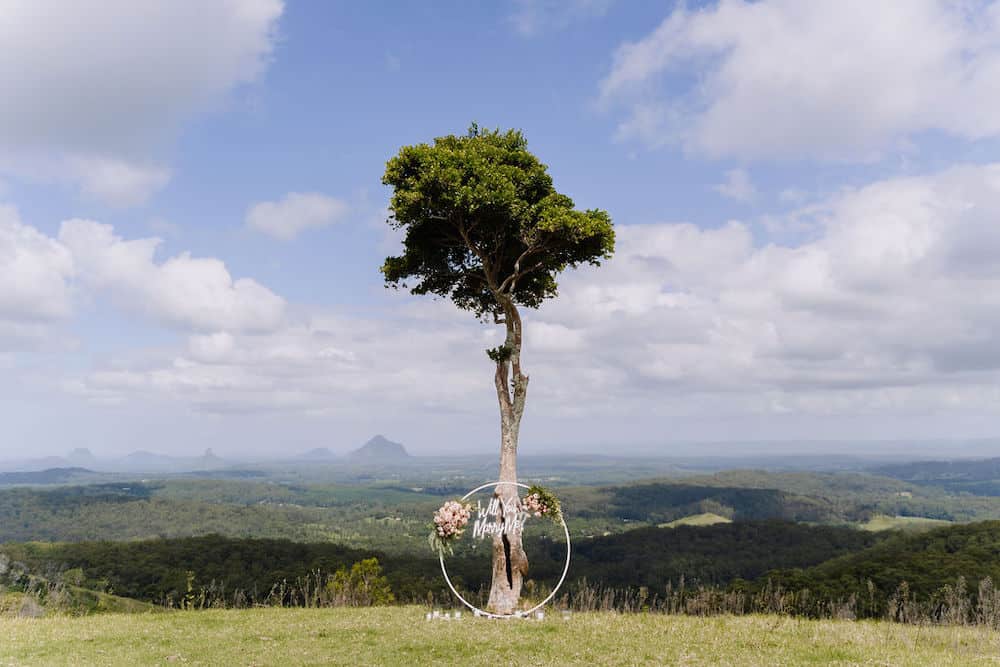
[87,601]
[881,522]
[703,519]
[401,636]
[73,600]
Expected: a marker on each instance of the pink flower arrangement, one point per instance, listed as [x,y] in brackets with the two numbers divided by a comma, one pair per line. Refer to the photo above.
[450,520]
[532,504]
[539,501]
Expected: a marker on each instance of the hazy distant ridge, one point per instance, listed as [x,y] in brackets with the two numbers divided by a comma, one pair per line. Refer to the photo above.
[379,450]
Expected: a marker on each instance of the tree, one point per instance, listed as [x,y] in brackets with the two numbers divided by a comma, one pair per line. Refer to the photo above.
[363,586]
[485,227]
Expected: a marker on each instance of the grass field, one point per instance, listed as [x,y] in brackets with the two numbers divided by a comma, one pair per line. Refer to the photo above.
[704,519]
[881,522]
[402,636]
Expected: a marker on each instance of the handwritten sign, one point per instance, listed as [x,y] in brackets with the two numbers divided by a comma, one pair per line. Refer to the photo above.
[499,517]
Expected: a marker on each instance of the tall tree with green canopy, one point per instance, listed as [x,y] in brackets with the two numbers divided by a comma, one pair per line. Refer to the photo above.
[486,228]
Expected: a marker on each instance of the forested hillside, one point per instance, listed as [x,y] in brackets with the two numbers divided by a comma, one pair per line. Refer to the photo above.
[926,562]
[980,477]
[710,555]
[160,569]
[658,503]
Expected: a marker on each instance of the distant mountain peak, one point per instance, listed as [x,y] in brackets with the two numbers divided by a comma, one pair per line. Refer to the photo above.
[380,449]
[318,454]
[81,455]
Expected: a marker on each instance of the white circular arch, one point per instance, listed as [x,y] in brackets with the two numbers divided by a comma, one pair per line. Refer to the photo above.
[538,606]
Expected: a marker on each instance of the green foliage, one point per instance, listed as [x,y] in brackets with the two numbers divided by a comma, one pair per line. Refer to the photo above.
[702,555]
[371,517]
[703,519]
[438,544]
[548,499]
[664,502]
[394,518]
[192,572]
[931,472]
[27,591]
[880,522]
[363,586]
[856,497]
[979,477]
[499,354]
[482,218]
[73,577]
[926,562]
[171,571]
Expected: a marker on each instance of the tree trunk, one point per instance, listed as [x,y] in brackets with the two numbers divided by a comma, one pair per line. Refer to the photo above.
[510,564]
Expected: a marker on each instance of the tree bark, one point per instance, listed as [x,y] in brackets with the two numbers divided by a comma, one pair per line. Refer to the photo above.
[510,564]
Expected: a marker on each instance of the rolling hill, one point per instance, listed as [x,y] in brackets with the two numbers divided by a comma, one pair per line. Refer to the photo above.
[926,561]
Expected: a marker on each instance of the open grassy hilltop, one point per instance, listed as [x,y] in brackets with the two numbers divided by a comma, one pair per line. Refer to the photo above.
[402,636]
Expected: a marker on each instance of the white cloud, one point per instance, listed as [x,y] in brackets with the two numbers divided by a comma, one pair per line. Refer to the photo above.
[295,213]
[108,82]
[42,276]
[833,79]
[737,186]
[35,272]
[324,365]
[891,308]
[532,17]
[182,291]
[89,75]
[117,182]
[891,305]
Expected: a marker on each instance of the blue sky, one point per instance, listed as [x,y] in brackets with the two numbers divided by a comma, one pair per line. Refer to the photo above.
[805,196]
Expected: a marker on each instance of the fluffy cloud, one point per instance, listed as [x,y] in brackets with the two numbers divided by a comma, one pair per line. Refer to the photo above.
[295,213]
[91,75]
[892,307]
[35,271]
[106,82]
[834,79]
[42,276]
[182,291]
[117,182]
[323,365]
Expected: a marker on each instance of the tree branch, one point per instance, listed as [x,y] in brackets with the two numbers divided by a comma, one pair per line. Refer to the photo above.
[513,278]
[509,281]
[488,268]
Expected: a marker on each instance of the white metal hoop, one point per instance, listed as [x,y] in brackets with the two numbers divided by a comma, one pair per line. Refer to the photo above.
[538,606]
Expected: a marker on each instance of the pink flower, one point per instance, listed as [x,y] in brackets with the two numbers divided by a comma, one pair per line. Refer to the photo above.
[451,518]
